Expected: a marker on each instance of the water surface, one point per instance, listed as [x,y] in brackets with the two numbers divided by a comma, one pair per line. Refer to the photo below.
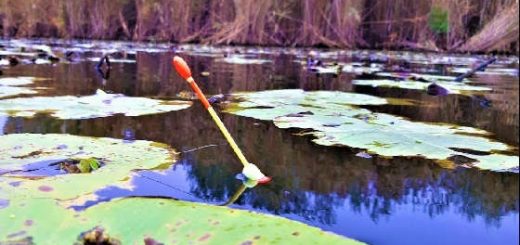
[376,200]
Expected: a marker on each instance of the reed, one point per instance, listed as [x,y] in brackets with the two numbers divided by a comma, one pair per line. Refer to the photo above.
[396,24]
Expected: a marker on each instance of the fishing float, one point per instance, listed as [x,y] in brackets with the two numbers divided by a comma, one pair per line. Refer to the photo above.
[250,170]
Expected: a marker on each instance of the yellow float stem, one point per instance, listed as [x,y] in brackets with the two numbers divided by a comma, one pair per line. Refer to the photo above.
[228,137]
[217,120]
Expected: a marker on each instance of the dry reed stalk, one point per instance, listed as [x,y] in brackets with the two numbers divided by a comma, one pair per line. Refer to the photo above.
[498,34]
[249,25]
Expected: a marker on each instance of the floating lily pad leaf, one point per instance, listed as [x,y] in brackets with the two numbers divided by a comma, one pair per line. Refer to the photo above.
[242,60]
[9,86]
[112,60]
[120,158]
[488,71]
[275,98]
[16,81]
[356,69]
[337,123]
[93,106]
[334,69]
[353,68]
[17,53]
[416,76]
[6,91]
[452,87]
[132,220]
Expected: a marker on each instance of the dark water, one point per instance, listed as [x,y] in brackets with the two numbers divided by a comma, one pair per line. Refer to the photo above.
[378,201]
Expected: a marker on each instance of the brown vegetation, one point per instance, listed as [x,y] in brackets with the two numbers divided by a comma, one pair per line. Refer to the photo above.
[473,25]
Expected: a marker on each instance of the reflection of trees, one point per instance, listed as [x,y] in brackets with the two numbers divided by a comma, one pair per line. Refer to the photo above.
[310,181]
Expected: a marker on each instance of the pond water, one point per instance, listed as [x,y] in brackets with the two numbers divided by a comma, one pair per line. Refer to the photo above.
[374,200]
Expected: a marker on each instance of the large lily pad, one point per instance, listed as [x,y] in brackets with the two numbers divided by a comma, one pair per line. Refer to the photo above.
[335,121]
[22,154]
[98,105]
[132,220]
[37,208]
[452,87]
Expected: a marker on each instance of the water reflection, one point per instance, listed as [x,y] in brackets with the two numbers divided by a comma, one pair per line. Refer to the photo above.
[382,201]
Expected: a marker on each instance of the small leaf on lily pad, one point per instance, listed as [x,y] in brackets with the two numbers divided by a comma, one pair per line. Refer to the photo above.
[93,106]
[378,133]
[88,165]
[452,87]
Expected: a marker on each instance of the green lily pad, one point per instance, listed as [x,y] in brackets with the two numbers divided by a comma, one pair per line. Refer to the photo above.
[132,220]
[112,60]
[417,76]
[7,91]
[488,71]
[352,68]
[10,86]
[242,60]
[98,105]
[359,69]
[335,121]
[16,81]
[19,152]
[452,87]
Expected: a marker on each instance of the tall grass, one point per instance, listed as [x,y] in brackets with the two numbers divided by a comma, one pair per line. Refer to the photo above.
[333,23]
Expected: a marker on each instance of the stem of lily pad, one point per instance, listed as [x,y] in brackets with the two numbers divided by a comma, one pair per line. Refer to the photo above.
[250,170]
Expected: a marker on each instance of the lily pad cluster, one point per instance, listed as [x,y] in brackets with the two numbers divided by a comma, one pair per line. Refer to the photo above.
[99,105]
[334,119]
[38,209]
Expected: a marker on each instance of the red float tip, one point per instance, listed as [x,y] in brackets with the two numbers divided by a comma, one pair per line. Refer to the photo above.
[181,67]
[264,180]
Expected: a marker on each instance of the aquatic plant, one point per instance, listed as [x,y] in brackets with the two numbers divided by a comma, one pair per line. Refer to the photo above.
[334,120]
[99,105]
